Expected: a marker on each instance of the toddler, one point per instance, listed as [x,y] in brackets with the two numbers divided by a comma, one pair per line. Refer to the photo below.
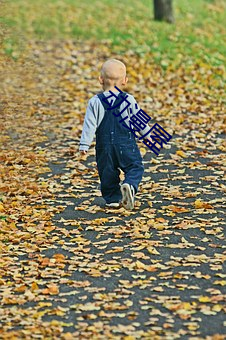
[116,146]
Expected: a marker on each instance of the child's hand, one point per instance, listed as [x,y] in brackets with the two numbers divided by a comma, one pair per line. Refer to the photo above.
[83,152]
[149,140]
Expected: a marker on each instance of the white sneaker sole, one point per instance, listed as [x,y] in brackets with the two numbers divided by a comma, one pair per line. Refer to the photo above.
[112,205]
[127,196]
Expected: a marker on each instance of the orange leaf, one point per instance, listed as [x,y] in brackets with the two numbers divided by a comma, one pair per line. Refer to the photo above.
[34,286]
[59,257]
[53,289]
[20,289]
[45,262]
[202,205]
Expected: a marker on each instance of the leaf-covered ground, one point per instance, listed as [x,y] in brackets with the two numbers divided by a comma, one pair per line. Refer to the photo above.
[69,268]
[199,30]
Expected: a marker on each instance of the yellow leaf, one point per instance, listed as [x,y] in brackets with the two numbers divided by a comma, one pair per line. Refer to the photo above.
[38,315]
[222,282]
[181,153]
[143,151]
[140,265]
[153,251]
[160,226]
[99,221]
[198,204]
[67,336]
[158,289]
[1,208]
[217,308]
[115,250]
[204,299]
[187,305]
[192,326]
[78,239]
[67,324]
[44,304]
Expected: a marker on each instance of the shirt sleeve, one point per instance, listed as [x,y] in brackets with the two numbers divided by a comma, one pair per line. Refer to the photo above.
[89,128]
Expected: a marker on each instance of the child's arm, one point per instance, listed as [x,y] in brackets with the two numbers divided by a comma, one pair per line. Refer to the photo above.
[89,129]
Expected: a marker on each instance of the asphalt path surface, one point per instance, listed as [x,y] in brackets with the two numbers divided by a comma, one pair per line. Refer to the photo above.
[181,295]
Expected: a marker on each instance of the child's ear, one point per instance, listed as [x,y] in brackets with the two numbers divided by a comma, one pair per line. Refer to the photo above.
[101,80]
[125,81]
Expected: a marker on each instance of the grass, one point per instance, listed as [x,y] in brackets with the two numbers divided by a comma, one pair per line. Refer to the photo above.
[197,33]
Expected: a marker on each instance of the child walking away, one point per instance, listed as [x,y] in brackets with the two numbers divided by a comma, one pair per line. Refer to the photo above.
[116,146]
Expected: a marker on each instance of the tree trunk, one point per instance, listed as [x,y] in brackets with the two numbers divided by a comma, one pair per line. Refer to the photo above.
[163,10]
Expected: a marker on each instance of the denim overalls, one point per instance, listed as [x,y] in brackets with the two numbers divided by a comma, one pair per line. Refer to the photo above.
[116,149]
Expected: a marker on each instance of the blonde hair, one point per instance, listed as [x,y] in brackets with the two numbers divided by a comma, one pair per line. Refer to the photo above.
[112,74]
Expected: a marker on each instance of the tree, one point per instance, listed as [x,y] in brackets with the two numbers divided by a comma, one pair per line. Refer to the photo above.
[163,10]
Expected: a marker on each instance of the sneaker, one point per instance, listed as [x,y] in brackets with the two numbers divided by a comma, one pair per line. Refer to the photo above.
[113,205]
[128,194]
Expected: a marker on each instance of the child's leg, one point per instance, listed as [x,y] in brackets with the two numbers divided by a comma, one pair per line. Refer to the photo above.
[131,164]
[107,166]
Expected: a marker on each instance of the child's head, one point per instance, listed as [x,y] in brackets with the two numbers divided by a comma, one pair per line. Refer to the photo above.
[113,73]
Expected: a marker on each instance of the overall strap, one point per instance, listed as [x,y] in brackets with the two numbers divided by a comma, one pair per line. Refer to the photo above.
[106,106]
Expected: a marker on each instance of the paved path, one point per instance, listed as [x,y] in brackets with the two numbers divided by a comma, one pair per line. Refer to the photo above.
[80,271]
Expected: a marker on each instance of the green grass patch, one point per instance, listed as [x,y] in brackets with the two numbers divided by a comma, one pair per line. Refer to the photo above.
[199,29]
